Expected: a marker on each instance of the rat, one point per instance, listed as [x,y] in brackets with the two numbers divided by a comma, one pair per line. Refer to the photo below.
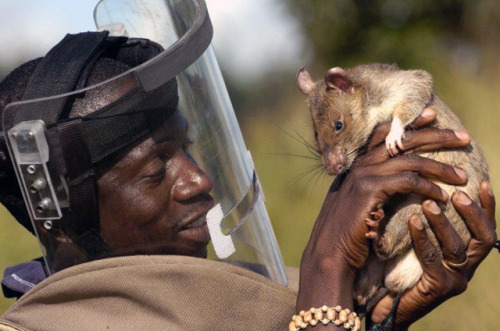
[345,107]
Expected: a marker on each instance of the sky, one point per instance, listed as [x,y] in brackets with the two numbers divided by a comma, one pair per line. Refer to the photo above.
[250,36]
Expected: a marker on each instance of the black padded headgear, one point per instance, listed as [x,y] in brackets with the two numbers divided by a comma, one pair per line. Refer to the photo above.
[79,144]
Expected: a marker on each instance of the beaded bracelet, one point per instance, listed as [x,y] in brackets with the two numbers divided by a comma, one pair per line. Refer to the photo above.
[336,315]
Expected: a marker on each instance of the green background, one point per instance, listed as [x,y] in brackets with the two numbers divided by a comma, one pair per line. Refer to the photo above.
[456,41]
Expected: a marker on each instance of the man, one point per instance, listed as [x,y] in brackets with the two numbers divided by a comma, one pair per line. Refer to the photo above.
[148,197]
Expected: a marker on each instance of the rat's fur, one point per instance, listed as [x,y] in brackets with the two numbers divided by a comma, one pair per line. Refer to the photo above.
[361,98]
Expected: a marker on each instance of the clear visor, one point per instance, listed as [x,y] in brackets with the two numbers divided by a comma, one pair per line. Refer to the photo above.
[239,226]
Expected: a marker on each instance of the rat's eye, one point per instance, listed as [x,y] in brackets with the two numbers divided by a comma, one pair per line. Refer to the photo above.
[338,126]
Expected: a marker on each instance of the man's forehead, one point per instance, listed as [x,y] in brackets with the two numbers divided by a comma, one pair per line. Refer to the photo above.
[170,132]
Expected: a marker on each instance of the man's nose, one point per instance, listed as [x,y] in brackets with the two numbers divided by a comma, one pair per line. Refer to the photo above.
[192,182]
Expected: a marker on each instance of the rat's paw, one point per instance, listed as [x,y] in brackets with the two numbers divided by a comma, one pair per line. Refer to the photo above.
[395,137]
[373,223]
[394,140]
[377,215]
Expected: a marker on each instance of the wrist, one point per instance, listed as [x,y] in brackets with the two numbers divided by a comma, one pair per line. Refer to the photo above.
[325,281]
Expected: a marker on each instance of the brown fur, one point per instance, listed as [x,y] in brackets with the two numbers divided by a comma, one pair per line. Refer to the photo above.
[363,97]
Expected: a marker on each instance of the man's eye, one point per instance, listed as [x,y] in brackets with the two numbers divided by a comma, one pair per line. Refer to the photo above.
[158,176]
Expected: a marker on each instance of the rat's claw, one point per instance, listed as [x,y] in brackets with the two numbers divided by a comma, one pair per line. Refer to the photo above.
[377,215]
[373,223]
[395,137]
[372,229]
[389,145]
[400,144]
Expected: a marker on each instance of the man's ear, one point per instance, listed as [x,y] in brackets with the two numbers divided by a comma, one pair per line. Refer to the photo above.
[336,78]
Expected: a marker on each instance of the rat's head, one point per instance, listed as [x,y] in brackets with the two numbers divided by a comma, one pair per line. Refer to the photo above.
[336,106]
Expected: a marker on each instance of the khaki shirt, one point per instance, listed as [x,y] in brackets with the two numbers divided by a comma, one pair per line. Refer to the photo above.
[152,293]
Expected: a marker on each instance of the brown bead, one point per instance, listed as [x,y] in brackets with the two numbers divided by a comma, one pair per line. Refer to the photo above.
[343,316]
[307,317]
[357,323]
[318,316]
[331,314]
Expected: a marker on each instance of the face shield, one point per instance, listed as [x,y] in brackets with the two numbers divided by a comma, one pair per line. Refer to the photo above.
[55,155]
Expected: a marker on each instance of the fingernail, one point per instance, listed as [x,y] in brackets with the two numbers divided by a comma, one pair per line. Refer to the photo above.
[417,222]
[432,207]
[461,173]
[488,188]
[463,135]
[445,194]
[428,113]
[464,199]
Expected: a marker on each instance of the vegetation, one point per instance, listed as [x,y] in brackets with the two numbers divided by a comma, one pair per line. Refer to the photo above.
[457,41]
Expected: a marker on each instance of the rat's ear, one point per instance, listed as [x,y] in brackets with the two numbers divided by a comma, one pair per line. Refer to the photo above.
[337,78]
[304,81]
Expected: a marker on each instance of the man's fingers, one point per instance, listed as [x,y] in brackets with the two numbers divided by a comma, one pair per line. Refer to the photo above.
[381,131]
[452,246]
[424,140]
[426,167]
[427,140]
[378,137]
[482,232]
[476,220]
[409,182]
[426,253]
[487,200]
[426,117]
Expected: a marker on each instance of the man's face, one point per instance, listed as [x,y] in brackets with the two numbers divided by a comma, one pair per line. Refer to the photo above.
[154,200]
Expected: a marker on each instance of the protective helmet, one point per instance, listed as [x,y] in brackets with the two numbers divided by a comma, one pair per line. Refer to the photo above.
[173,68]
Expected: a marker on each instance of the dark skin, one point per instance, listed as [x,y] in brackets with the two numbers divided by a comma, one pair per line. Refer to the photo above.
[153,193]
[337,248]
[151,198]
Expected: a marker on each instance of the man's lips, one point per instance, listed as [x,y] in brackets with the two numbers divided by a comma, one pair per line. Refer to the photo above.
[198,233]
[195,227]
[196,223]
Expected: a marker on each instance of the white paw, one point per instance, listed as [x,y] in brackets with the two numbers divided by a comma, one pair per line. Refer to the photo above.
[395,137]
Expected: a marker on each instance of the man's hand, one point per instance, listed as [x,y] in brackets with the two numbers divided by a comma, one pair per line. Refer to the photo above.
[338,246]
[444,277]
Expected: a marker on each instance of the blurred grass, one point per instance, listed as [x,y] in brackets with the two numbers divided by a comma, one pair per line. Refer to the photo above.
[294,193]
[278,121]
[16,245]
[294,199]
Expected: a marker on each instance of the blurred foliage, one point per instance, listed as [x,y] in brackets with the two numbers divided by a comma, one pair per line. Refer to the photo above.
[457,41]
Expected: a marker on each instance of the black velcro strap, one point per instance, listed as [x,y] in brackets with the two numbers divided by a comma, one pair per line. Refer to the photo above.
[80,175]
[74,148]
[59,72]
